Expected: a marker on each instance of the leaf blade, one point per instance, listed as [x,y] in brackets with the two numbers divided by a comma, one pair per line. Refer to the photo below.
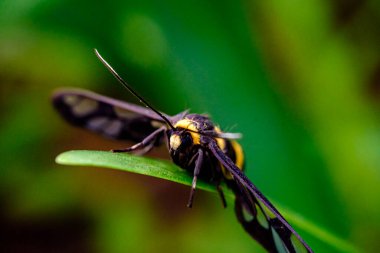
[166,170]
[131,163]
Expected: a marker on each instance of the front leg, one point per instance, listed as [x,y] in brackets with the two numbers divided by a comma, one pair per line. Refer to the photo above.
[198,165]
[146,144]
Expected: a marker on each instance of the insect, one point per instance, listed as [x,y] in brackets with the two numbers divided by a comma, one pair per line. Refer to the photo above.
[195,144]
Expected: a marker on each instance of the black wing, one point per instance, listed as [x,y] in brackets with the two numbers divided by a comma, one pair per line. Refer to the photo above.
[257,215]
[109,117]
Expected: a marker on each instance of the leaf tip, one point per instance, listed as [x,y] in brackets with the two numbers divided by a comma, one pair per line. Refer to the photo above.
[62,158]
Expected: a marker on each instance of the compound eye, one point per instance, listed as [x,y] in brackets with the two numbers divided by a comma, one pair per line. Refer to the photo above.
[186,140]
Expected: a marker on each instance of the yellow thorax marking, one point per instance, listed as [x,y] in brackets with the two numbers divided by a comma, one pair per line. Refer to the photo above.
[194,131]
[187,124]
[192,126]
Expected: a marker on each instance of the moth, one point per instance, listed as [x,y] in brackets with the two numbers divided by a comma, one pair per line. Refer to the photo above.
[195,144]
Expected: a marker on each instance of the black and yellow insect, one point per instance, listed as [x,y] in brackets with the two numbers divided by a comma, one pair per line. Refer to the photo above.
[195,144]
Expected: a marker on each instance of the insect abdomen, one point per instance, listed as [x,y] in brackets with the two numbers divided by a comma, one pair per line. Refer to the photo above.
[234,151]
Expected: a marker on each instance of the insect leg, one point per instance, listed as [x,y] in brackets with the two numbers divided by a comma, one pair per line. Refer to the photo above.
[219,188]
[221,194]
[198,164]
[146,149]
[149,140]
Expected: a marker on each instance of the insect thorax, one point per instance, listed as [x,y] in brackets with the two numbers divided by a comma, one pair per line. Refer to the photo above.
[186,139]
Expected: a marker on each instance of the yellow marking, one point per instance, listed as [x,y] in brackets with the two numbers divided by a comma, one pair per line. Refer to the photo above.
[196,138]
[187,124]
[192,126]
[220,141]
[175,141]
[226,173]
[217,129]
[84,107]
[239,154]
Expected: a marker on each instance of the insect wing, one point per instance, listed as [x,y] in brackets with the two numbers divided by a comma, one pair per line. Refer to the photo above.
[109,117]
[258,216]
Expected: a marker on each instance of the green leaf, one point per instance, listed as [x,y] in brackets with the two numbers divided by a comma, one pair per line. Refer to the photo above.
[132,163]
[169,171]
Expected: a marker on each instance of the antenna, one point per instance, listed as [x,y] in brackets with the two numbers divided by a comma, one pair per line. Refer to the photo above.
[126,85]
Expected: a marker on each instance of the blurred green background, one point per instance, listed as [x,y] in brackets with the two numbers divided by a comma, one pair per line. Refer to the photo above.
[299,79]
